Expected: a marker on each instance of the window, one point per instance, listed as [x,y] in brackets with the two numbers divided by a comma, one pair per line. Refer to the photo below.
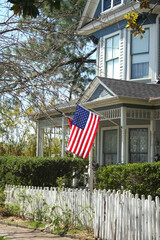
[138,145]
[140,56]
[110,147]
[107,4]
[112,57]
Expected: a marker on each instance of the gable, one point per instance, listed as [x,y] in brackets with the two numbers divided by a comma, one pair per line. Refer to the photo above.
[100,92]
[92,10]
[98,10]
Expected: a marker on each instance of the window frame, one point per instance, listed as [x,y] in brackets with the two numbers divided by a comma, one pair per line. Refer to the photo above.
[102,143]
[105,49]
[127,138]
[112,7]
[141,53]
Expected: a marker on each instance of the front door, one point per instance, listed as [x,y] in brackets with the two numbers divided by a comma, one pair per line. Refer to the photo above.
[110,147]
[138,145]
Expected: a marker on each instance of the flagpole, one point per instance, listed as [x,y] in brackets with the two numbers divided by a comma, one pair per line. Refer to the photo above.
[63,138]
[90,170]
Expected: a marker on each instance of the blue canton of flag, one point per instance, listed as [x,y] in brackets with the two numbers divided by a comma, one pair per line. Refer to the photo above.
[80,117]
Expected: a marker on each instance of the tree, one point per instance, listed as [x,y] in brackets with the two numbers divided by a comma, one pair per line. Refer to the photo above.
[44,57]
[31,7]
[132,17]
[15,127]
[42,62]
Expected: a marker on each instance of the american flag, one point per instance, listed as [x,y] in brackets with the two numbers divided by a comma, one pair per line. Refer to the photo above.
[84,127]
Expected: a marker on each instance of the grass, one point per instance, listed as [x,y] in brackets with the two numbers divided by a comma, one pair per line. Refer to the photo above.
[35,224]
[81,233]
[2,238]
[26,223]
[7,215]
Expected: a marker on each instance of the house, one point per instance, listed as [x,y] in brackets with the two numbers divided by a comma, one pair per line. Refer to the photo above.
[125,92]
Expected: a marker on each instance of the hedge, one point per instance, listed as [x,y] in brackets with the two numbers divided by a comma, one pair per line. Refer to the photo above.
[140,178]
[39,171]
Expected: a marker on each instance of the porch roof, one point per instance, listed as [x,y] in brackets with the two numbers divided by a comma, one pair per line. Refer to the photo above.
[132,89]
[123,92]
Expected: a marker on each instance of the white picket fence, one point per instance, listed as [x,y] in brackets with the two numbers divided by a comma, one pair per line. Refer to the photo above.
[126,217]
[112,215]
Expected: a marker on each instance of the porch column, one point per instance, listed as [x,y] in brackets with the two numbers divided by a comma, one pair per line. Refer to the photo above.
[40,139]
[152,129]
[90,170]
[63,138]
[123,134]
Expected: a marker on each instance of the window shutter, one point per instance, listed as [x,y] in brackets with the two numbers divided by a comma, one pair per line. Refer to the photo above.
[121,55]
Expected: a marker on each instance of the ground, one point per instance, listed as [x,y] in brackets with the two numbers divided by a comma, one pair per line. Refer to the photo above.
[74,232]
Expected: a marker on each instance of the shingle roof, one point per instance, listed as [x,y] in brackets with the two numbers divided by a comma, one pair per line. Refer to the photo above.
[132,89]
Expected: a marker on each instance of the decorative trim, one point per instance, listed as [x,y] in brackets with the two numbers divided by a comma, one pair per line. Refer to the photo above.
[156,114]
[145,114]
[138,113]
[111,114]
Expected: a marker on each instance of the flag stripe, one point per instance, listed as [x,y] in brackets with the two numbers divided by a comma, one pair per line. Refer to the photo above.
[83,136]
[71,136]
[92,137]
[76,131]
[81,144]
[83,131]
[85,147]
[74,145]
[85,143]
[78,140]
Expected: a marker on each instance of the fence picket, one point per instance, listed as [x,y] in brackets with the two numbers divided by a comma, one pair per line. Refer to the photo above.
[142,217]
[139,219]
[149,219]
[146,220]
[153,220]
[116,215]
[157,219]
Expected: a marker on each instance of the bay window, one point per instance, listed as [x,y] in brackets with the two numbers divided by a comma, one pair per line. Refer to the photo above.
[140,56]
[112,57]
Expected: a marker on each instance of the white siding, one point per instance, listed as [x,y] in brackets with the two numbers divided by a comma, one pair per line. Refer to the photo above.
[121,55]
[102,58]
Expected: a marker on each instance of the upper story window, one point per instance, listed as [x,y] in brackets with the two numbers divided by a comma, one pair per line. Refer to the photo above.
[140,56]
[107,4]
[112,57]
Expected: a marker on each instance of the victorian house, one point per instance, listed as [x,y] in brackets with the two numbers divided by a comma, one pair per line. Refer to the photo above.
[125,92]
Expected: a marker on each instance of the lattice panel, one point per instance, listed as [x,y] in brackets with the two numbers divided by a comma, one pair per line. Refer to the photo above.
[138,113]
[131,113]
[157,115]
[111,114]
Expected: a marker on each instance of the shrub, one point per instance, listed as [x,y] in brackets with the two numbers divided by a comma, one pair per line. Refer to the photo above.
[39,171]
[140,178]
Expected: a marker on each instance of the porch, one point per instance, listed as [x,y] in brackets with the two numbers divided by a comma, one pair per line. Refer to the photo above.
[125,134]
[129,128]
